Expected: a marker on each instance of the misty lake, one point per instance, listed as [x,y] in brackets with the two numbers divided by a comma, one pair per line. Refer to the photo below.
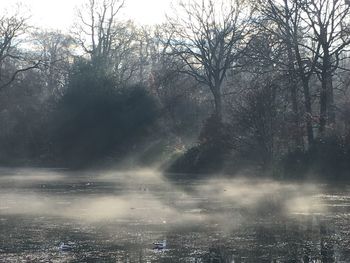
[117,216]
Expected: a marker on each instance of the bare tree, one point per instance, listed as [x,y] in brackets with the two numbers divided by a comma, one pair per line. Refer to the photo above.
[125,55]
[301,49]
[208,36]
[56,53]
[13,60]
[95,30]
[256,117]
[113,46]
[329,23]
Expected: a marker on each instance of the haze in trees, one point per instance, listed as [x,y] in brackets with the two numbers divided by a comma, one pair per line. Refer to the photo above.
[259,85]
[221,134]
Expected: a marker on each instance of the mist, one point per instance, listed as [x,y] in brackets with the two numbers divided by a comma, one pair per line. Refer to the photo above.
[142,194]
[121,208]
[217,132]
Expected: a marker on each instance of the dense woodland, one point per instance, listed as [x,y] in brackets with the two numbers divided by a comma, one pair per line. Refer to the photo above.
[232,86]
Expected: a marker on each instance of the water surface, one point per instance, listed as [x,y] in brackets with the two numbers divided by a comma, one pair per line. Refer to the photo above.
[116,217]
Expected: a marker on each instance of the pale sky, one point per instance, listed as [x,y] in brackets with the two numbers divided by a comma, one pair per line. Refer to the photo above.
[59,14]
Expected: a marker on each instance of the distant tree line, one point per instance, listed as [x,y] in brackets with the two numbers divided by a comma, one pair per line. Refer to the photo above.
[222,86]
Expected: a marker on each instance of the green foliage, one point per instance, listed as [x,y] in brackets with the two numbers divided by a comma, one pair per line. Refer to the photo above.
[23,117]
[211,152]
[329,157]
[96,119]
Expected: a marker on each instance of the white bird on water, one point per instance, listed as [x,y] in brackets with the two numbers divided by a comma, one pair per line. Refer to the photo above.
[65,247]
[160,245]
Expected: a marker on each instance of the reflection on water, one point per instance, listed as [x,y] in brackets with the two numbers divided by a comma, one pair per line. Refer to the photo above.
[117,216]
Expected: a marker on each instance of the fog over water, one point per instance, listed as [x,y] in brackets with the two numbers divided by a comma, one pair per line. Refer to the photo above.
[194,131]
[112,216]
[143,194]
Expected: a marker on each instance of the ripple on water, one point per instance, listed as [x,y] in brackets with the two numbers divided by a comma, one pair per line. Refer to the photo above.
[110,219]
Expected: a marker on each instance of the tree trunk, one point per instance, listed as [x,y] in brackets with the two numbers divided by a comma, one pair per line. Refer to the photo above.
[297,134]
[293,84]
[307,98]
[216,91]
[323,106]
[218,105]
[330,98]
[305,78]
[327,113]
[308,109]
